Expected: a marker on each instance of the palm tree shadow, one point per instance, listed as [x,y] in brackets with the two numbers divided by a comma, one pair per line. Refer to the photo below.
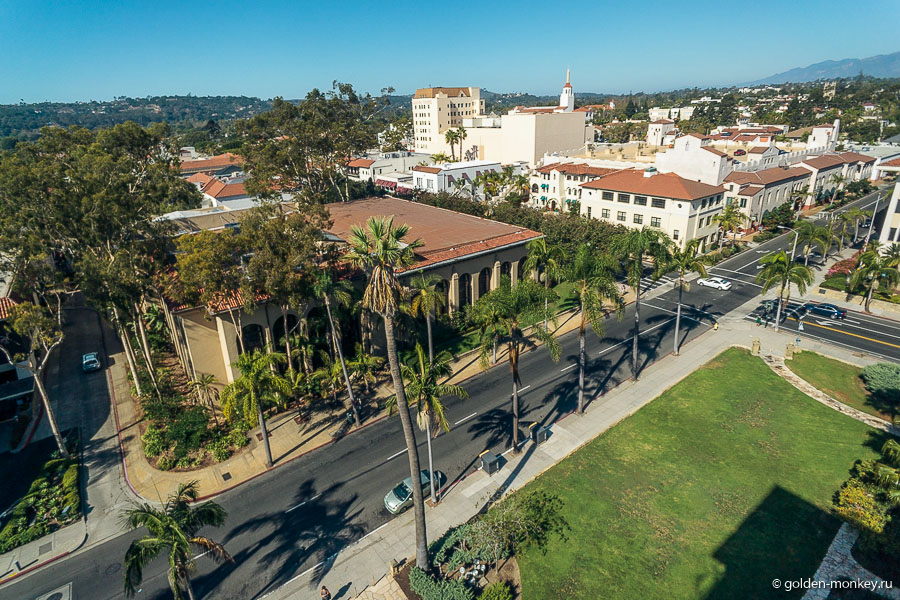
[320,526]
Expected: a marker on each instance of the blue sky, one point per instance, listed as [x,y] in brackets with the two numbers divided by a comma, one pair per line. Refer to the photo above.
[82,50]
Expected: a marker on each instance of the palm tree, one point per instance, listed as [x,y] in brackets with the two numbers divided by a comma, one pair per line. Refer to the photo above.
[379,248]
[683,262]
[840,229]
[547,260]
[632,247]
[731,220]
[440,158]
[856,215]
[460,136]
[365,367]
[839,180]
[892,254]
[427,300]
[809,234]
[595,283]
[207,390]
[778,270]
[327,288]
[451,137]
[172,533]
[800,194]
[259,384]
[487,318]
[874,271]
[426,392]
[329,376]
[515,306]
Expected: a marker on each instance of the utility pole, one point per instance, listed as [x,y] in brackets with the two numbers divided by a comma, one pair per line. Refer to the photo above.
[872,224]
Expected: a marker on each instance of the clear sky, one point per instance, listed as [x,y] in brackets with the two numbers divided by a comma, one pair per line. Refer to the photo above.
[98,49]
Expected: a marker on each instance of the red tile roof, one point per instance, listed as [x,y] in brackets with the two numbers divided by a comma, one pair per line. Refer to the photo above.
[361,162]
[214,163]
[201,178]
[857,157]
[424,169]
[827,161]
[713,150]
[759,149]
[767,176]
[665,185]
[6,305]
[891,163]
[662,122]
[431,92]
[590,107]
[576,169]
[221,190]
[750,190]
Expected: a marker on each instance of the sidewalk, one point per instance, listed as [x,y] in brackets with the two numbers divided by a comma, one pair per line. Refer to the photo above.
[367,560]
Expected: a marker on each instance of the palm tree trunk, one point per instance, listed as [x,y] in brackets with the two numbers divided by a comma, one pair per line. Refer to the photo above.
[581,364]
[412,451]
[546,287]
[637,330]
[856,231]
[287,341]
[514,367]
[51,418]
[188,588]
[340,353]
[778,309]
[265,434]
[430,459]
[495,351]
[869,296]
[430,343]
[678,312]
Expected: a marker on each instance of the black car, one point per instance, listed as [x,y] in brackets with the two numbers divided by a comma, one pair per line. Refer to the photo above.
[825,310]
[868,223]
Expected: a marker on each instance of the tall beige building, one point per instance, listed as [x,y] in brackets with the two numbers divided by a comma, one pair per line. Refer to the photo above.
[437,109]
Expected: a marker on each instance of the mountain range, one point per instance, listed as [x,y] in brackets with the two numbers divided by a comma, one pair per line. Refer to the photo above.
[883,65]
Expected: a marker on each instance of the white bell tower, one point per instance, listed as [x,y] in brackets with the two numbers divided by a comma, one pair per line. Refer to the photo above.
[567,97]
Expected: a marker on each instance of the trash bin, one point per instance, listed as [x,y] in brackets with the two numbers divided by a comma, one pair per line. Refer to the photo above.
[538,433]
[490,462]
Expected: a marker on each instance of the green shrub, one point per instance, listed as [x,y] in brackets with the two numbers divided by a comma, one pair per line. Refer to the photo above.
[165,463]
[499,590]
[70,478]
[764,236]
[52,466]
[73,501]
[38,484]
[219,449]
[440,589]
[883,381]
[856,503]
[154,442]
[237,437]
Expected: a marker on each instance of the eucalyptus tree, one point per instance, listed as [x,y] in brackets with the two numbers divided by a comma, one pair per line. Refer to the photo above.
[779,271]
[516,307]
[380,249]
[683,262]
[632,248]
[595,287]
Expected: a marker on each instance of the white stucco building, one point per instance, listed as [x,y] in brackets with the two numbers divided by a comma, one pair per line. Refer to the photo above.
[371,166]
[452,176]
[890,231]
[657,131]
[556,186]
[692,157]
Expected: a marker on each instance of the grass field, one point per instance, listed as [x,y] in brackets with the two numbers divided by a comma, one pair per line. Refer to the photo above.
[713,490]
[838,379]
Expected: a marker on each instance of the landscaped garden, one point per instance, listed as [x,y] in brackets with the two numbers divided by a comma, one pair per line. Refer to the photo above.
[717,487]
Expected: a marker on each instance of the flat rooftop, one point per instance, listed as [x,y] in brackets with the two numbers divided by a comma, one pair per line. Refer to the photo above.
[446,235]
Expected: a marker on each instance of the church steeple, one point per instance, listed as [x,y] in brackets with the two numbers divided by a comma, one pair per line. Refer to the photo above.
[567,97]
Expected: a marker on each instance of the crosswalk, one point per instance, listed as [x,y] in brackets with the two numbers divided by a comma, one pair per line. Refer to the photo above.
[648,284]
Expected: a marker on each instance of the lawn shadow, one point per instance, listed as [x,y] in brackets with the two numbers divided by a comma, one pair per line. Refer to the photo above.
[784,538]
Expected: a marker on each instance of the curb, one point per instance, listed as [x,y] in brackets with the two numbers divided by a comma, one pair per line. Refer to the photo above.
[37,566]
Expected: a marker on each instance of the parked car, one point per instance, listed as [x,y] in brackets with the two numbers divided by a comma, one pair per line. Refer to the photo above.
[90,362]
[868,223]
[740,152]
[825,310]
[715,282]
[400,496]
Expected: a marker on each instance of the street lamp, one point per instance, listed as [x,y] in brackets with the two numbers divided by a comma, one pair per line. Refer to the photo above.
[796,237]
[872,224]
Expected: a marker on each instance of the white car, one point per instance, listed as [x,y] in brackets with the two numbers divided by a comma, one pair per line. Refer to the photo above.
[715,282]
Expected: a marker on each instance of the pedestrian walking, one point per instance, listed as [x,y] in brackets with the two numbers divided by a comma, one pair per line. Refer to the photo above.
[326,595]
[800,326]
[758,321]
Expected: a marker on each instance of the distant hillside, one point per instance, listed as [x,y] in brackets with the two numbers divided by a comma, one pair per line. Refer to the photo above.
[883,65]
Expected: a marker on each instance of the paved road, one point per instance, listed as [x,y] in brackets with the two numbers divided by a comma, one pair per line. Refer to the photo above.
[293,519]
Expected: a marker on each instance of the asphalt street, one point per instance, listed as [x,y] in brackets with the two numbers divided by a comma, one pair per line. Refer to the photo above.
[290,521]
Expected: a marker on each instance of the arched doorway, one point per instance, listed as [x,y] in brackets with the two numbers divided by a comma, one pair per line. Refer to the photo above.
[506,269]
[443,286]
[484,282]
[254,337]
[553,205]
[465,289]
[521,269]
[278,330]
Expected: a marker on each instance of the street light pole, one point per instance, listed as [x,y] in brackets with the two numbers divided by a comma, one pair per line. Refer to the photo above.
[796,237]
[872,224]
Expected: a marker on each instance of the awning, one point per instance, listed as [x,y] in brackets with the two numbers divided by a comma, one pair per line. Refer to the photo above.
[386,183]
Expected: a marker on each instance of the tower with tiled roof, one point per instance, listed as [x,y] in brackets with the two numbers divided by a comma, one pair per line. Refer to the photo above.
[567,97]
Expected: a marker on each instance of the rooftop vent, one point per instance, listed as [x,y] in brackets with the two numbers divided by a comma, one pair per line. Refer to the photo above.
[650,171]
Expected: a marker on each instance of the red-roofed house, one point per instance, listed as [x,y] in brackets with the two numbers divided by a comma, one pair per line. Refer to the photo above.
[220,166]
[368,168]
[759,192]
[556,185]
[682,208]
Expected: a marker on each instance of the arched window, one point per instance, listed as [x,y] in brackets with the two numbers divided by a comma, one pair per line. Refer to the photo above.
[444,287]
[506,269]
[465,289]
[278,330]
[484,282]
[534,188]
[254,337]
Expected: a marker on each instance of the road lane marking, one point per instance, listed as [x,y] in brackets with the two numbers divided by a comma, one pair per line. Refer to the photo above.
[464,419]
[572,366]
[524,388]
[683,316]
[301,504]
[393,456]
[628,340]
[807,334]
[848,333]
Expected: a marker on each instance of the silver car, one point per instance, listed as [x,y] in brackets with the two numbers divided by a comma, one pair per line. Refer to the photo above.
[715,282]
[90,362]
[400,496]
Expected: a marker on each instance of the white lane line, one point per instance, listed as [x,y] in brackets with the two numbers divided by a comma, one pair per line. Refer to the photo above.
[852,321]
[524,388]
[464,419]
[683,316]
[302,503]
[572,366]
[393,456]
[628,340]
[382,526]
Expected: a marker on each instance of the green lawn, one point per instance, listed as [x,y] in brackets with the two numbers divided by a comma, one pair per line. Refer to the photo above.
[713,490]
[838,379]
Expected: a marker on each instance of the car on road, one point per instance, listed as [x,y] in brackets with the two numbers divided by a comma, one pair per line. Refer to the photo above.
[715,282]
[90,362]
[400,496]
[824,310]
[867,224]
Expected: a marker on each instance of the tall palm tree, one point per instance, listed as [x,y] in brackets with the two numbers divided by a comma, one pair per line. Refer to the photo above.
[380,249]
[327,287]
[172,533]
[779,271]
[840,229]
[516,306]
[487,318]
[683,262]
[365,367]
[461,135]
[730,220]
[856,215]
[427,300]
[426,392]
[451,137]
[206,388]
[547,260]
[839,180]
[595,285]
[440,158]
[632,247]
[800,195]
[892,254]
[259,384]
[873,272]
[809,234]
